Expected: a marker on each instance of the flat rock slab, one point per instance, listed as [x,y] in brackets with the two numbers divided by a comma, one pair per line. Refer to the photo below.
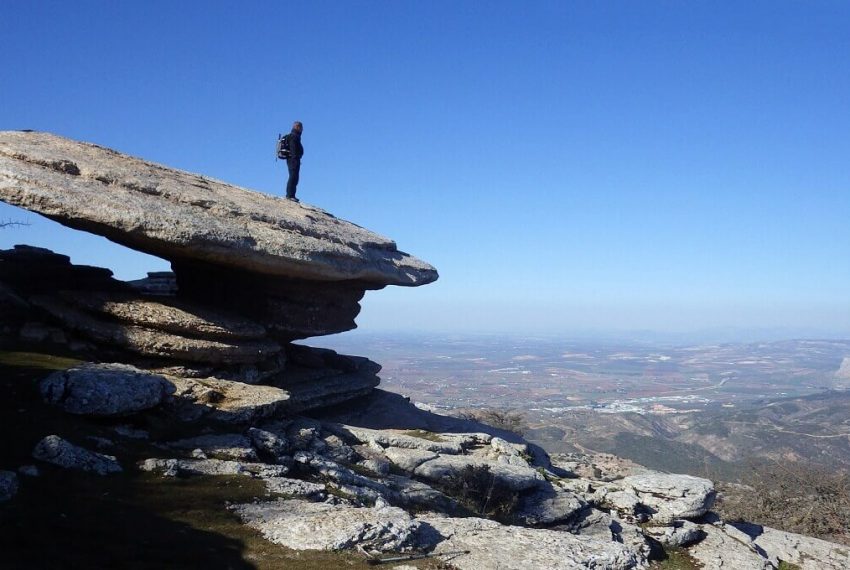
[303,525]
[53,449]
[806,552]
[165,314]
[152,342]
[103,389]
[492,545]
[408,459]
[222,400]
[401,439]
[671,496]
[178,215]
[175,467]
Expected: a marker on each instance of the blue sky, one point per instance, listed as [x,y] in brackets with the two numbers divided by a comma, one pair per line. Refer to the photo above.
[567,166]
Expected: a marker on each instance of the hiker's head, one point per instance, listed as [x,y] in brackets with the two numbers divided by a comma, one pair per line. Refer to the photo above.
[297,126]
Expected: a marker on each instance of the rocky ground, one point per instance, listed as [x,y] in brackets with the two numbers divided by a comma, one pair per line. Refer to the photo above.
[173,422]
[463,493]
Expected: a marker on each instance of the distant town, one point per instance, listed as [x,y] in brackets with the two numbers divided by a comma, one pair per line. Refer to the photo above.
[544,376]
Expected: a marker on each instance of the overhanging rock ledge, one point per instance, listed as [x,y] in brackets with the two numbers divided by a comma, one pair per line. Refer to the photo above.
[182,216]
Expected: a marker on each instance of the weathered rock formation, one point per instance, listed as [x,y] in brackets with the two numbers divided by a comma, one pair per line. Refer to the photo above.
[251,274]
[293,268]
[205,356]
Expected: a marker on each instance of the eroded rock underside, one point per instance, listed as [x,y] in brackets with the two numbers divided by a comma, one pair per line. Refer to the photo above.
[209,347]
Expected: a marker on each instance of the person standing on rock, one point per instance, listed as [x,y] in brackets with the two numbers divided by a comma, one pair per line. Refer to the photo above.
[293,162]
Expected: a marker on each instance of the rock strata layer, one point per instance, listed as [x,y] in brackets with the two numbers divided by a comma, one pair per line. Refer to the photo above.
[182,216]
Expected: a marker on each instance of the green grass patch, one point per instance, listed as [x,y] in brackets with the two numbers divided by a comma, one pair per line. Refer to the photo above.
[423,434]
[36,360]
[676,559]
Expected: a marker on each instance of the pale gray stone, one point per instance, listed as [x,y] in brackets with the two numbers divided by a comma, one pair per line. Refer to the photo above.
[380,467]
[408,459]
[806,552]
[303,525]
[8,485]
[170,213]
[492,545]
[397,438]
[720,551]
[344,476]
[626,503]
[671,496]
[302,432]
[268,443]
[103,389]
[295,488]
[548,505]
[53,449]
[339,451]
[173,467]
[412,493]
[677,534]
[514,477]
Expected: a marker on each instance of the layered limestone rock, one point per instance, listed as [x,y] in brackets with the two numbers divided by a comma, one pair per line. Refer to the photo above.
[177,215]
[251,274]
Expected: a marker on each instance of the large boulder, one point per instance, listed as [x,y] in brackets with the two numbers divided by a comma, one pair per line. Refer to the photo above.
[182,216]
[103,389]
[671,496]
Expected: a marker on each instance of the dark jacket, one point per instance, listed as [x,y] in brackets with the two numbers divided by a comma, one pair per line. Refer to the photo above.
[296,151]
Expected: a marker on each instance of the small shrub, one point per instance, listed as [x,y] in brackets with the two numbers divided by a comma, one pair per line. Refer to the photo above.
[507,420]
[482,493]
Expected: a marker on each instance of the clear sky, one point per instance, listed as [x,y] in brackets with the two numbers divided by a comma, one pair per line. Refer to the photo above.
[565,165]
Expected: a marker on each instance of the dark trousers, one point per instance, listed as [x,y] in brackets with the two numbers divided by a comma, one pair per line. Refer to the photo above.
[294,165]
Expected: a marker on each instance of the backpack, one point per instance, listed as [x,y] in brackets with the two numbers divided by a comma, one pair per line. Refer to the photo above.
[282,148]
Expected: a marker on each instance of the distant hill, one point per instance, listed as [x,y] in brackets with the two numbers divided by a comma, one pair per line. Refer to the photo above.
[719,442]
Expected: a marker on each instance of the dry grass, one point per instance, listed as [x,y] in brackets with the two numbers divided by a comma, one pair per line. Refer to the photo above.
[793,497]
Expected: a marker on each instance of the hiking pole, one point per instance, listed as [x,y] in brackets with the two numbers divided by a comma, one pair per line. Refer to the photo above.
[377,561]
